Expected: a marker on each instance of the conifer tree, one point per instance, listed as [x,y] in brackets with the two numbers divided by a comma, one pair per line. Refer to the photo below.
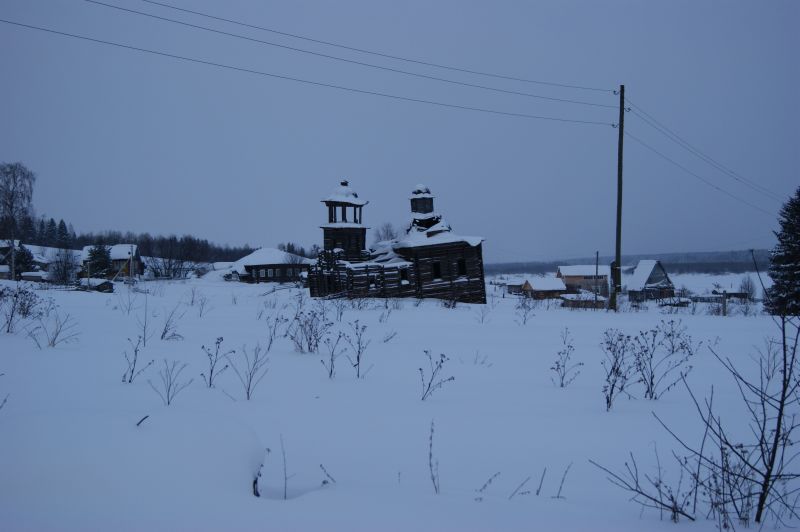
[784,295]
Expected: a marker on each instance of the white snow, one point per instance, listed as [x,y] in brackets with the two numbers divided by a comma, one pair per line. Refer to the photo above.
[72,457]
[344,193]
[546,282]
[584,270]
[267,256]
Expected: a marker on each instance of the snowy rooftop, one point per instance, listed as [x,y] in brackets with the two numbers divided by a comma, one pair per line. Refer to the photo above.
[546,282]
[117,251]
[584,270]
[421,191]
[345,194]
[438,234]
[268,256]
[640,275]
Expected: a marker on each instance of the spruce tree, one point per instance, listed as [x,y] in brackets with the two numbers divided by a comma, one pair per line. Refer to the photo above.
[784,295]
[63,237]
[99,260]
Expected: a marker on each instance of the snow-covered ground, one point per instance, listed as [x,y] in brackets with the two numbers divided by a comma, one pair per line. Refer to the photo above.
[73,458]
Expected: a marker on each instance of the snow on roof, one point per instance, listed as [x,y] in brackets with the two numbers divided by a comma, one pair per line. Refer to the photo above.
[340,225]
[584,270]
[421,191]
[4,268]
[345,194]
[116,252]
[641,274]
[268,256]
[438,234]
[546,282]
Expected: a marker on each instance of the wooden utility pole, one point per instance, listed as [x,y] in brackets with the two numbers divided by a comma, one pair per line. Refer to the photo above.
[616,274]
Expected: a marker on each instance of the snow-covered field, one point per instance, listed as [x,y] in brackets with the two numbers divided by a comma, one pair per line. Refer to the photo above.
[73,458]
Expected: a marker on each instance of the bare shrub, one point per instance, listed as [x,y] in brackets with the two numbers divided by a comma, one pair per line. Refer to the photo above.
[434,381]
[215,357]
[169,331]
[617,365]
[203,305]
[169,385]
[661,357]
[339,306]
[54,329]
[482,313]
[126,300]
[654,491]
[482,490]
[334,352]
[524,310]
[566,371]
[19,304]
[132,360]
[433,463]
[308,329]
[359,345]
[253,370]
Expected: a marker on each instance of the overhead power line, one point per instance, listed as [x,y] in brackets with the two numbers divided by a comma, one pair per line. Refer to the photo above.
[352,61]
[698,176]
[677,139]
[379,54]
[304,81]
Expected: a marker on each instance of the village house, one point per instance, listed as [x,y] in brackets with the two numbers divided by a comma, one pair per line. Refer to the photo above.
[589,277]
[270,265]
[429,260]
[650,281]
[125,260]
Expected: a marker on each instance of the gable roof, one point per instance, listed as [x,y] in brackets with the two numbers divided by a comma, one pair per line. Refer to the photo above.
[643,272]
[116,252]
[546,282]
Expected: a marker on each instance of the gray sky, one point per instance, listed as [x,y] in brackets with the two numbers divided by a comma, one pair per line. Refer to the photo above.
[131,141]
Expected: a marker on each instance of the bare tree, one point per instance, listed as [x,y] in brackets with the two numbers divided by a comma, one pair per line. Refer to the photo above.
[386,231]
[54,329]
[63,267]
[16,193]
[659,354]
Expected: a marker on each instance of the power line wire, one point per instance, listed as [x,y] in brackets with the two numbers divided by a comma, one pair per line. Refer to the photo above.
[305,81]
[352,61]
[379,54]
[697,176]
[664,130]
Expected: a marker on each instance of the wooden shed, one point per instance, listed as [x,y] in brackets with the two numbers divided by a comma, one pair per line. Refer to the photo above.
[589,277]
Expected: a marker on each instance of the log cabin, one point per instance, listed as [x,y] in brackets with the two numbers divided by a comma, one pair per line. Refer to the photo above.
[428,260]
[650,281]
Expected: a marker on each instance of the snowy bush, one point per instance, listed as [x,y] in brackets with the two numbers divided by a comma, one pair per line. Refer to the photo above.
[524,310]
[253,369]
[308,329]
[334,352]
[53,329]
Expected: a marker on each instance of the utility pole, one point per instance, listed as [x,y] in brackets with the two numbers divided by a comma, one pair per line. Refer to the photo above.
[596,275]
[616,273]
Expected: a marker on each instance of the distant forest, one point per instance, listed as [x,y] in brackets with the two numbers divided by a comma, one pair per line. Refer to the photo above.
[701,262]
[47,232]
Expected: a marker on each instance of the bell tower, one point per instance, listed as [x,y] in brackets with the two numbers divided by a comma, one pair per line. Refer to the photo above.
[345,229]
[422,215]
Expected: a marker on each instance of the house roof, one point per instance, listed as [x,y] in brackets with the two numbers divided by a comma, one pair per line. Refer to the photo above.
[584,270]
[268,256]
[546,282]
[441,233]
[116,251]
[345,194]
[642,273]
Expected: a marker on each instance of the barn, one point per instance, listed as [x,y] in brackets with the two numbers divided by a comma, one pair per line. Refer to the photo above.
[428,260]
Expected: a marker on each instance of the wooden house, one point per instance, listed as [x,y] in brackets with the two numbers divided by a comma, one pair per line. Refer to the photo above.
[125,260]
[270,265]
[650,281]
[589,277]
[544,287]
[429,260]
